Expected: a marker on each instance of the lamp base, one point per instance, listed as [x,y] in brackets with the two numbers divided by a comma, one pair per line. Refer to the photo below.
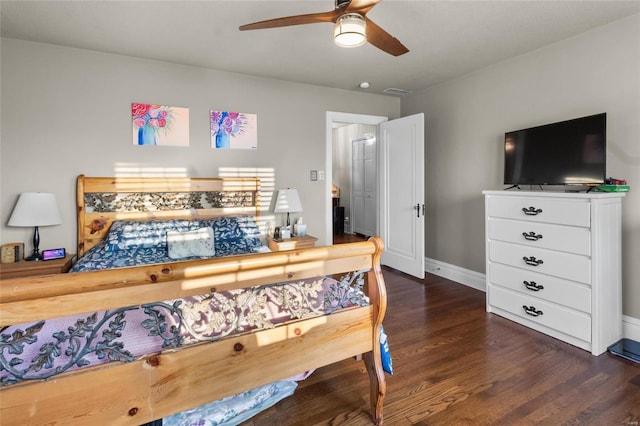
[36,243]
[34,256]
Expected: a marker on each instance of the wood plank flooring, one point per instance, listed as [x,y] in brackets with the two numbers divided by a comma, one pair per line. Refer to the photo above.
[455,364]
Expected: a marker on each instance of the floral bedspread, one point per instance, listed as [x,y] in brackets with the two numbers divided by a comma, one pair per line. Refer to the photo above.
[43,349]
[132,243]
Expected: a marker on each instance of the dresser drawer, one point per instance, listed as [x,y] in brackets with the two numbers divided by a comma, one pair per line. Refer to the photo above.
[573,323]
[534,209]
[543,235]
[564,265]
[546,287]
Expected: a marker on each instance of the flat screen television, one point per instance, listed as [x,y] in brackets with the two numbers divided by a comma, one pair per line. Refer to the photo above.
[571,152]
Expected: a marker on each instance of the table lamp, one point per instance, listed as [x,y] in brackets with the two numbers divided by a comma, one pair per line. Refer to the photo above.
[35,209]
[288,202]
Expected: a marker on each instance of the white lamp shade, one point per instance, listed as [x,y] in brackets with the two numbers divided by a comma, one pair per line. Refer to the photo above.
[287,201]
[35,209]
[350,30]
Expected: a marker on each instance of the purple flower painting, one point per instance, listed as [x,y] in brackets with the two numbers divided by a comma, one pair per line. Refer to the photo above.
[233,130]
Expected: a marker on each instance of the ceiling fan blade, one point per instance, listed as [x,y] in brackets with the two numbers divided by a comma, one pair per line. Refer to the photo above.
[361,6]
[310,18]
[383,40]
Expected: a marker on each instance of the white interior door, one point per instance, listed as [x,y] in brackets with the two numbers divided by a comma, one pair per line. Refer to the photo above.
[357,187]
[370,188]
[364,185]
[402,194]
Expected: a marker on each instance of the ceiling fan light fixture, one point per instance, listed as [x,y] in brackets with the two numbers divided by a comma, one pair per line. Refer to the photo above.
[349,30]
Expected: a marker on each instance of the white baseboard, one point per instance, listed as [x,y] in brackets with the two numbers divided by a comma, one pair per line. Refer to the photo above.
[452,272]
[630,325]
[631,328]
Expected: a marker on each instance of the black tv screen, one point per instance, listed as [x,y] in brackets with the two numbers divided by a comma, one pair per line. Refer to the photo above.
[571,152]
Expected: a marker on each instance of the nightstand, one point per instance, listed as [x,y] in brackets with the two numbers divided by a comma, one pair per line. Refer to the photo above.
[37,267]
[293,243]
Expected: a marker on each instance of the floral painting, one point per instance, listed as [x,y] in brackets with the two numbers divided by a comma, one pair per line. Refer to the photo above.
[233,130]
[159,125]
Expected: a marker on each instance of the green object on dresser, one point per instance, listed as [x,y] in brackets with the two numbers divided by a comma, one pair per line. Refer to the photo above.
[613,188]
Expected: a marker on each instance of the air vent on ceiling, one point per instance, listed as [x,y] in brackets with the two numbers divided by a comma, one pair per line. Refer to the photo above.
[393,91]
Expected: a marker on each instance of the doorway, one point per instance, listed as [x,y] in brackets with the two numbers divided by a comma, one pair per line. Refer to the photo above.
[399,192]
[337,120]
[354,168]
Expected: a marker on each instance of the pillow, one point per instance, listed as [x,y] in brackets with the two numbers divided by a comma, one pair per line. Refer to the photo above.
[236,235]
[233,234]
[385,352]
[132,234]
[190,243]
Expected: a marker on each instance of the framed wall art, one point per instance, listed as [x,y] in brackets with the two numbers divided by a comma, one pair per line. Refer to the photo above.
[233,130]
[159,125]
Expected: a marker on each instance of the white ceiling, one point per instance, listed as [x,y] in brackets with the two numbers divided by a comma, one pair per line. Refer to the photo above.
[446,39]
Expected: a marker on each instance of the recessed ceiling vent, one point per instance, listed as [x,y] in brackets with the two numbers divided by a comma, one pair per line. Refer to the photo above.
[397,92]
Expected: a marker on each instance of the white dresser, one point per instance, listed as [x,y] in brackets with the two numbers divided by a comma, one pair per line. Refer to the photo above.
[553,263]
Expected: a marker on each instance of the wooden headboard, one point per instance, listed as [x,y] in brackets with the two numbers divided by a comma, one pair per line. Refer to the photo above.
[101,200]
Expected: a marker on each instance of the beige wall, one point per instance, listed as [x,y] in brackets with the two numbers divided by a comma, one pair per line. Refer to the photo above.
[465,122]
[67,111]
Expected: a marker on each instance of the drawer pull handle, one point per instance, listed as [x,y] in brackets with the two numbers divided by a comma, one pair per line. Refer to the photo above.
[533,286]
[531,211]
[531,310]
[531,236]
[532,261]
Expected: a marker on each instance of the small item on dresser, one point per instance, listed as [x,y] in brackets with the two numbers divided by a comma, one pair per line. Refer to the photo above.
[300,228]
[52,254]
[12,252]
[614,181]
[614,185]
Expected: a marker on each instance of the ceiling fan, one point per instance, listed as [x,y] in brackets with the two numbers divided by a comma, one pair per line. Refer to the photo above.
[351,25]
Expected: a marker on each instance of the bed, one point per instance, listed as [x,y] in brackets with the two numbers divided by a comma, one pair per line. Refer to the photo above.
[115,385]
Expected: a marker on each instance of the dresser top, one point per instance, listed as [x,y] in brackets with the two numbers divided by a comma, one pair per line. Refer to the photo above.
[555,194]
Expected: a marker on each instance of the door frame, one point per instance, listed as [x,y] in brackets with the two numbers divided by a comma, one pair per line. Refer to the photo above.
[342,117]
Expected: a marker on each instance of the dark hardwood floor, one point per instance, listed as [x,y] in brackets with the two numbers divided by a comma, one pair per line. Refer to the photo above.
[348,238]
[454,364]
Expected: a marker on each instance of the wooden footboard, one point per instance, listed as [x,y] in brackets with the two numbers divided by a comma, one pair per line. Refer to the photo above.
[161,384]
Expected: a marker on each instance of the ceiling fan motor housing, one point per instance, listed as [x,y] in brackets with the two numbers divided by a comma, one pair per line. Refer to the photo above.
[350,30]
[340,4]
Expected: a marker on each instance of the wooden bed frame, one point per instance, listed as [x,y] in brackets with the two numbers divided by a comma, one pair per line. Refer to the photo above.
[101,200]
[160,384]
